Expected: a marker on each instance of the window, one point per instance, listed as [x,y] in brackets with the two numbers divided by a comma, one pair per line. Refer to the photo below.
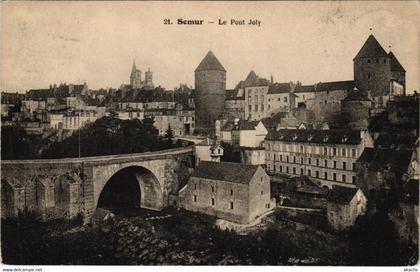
[353,152]
[334,176]
[262,192]
[212,189]
[212,201]
[294,170]
[195,198]
[309,161]
[195,186]
[317,174]
[343,152]
[250,107]
[325,175]
[285,99]
[325,163]
[301,149]
[281,158]
[287,169]
[231,191]
[325,151]
[344,165]
[317,162]
[335,164]
[301,160]
[354,166]
[301,171]
[368,60]
[344,178]
[335,151]
[294,159]
[353,179]
[281,168]
[231,205]
[369,76]
[287,158]
[309,172]
[278,99]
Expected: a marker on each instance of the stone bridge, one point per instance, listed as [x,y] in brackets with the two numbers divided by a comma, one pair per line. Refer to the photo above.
[65,188]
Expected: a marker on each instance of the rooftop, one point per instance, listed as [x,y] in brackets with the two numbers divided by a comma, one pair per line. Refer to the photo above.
[341,194]
[371,48]
[210,62]
[325,136]
[226,171]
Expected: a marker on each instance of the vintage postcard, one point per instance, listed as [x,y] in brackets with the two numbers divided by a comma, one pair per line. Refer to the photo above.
[151,133]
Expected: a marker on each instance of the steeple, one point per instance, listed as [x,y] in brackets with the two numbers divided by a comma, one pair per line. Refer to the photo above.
[134,68]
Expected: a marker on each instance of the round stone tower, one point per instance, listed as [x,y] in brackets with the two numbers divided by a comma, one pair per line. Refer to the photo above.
[210,94]
[355,109]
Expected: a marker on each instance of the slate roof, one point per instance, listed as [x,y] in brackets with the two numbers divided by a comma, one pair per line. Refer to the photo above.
[42,94]
[304,89]
[356,95]
[252,80]
[326,136]
[341,194]
[335,85]
[279,88]
[395,64]
[392,140]
[241,125]
[210,62]
[233,95]
[380,159]
[371,48]
[226,171]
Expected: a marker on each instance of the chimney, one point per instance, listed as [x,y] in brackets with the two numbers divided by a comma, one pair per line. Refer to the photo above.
[236,121]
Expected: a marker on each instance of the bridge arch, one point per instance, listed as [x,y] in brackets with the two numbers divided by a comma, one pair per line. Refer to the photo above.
[130,187]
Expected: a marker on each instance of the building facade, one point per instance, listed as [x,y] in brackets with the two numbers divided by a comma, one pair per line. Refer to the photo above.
[136,81]
[327,156]
[231,191]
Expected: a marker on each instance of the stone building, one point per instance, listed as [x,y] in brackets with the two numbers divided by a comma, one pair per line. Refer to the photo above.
[328,97]
[234,104]
[355,110]
[344,205]
[210,93]
[135,78]
[181,121]
[280,98]
[374,69]
[232,191]
[256,90]
[327,156]
[247,133]
[304,96]
[208,150]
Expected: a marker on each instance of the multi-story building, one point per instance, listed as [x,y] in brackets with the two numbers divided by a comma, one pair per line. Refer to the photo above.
[232,191]
[208,150]
[328,97]
[304,96]
[181,122]
[247,133]
[280,98]
[327,156]
[234,104]
[255,94]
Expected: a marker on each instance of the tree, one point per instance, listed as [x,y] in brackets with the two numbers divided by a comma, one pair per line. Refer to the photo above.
[15,143]
[169,135]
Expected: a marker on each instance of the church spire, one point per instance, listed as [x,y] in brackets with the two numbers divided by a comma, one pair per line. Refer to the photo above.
[133,70]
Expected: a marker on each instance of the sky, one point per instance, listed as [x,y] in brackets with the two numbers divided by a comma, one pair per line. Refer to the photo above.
[43,43]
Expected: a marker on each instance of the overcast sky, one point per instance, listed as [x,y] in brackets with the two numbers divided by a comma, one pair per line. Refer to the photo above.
[52,42]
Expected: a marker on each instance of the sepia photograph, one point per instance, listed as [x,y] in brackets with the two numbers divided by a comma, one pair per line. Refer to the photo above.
[198,133]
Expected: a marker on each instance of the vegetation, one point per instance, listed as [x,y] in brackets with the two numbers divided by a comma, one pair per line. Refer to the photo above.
[106,136]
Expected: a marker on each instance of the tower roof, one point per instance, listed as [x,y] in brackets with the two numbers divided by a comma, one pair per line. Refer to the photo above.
[134,68]
[210,62]
[371,48]
[395,64]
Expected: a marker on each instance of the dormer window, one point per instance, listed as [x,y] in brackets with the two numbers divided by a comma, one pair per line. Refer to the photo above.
[368,60]
[344,139]
[326,138]
[294,137]
[310,137]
